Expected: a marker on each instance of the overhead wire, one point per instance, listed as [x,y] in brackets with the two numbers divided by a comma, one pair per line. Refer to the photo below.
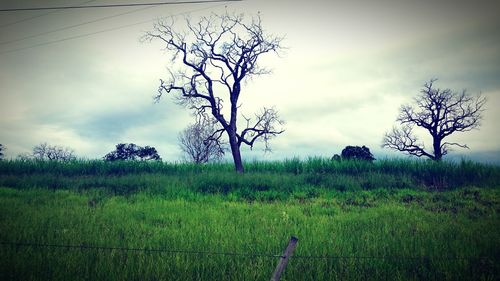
[101,31]
[115,5]
[27,19]
[73,37]
[36,16]
[73,26]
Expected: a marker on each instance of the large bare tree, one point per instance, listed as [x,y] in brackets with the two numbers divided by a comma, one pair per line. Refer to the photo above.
[441,112]
[216,55]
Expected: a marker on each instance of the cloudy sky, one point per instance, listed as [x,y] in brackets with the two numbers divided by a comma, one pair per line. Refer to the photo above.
[82,78]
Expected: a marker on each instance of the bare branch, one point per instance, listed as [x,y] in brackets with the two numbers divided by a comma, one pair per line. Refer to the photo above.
[405,141]
[46,152]
[445,147]
[264,128]
[441,112]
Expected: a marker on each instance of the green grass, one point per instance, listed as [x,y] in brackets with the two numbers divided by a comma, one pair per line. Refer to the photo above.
[390,220]
[399,223]
[263,179]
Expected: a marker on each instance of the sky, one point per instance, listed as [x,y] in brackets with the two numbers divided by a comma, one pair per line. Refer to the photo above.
[83,78]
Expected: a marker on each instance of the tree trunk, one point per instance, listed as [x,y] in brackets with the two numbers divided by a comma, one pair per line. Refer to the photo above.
[235,151]
[233,139]
[438,154]
[238,165]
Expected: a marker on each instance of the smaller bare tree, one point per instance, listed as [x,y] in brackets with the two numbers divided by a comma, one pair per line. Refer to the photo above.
[45,152]
[441,112]
[201,141]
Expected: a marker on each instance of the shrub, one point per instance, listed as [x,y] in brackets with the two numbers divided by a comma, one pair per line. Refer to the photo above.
[357,153]
[131,151]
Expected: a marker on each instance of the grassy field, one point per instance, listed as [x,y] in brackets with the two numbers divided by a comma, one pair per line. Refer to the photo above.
[390,220]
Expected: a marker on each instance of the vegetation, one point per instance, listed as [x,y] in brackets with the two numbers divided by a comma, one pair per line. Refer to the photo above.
[279,176]
[441,112]
[355,220]
[46,152]
[357,153]
[398,225]
[131,151]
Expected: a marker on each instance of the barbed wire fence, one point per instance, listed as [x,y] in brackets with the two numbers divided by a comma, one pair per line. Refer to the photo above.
[196,252]
[356,259]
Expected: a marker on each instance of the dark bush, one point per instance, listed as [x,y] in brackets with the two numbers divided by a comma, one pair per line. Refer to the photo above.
[357,153]
[131,151]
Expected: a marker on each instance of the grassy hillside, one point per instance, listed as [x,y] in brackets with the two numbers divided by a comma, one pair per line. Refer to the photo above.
[390,220]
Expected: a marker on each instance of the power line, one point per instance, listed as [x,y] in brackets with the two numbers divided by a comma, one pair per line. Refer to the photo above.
[97,32]
[115,5]
[73,26]
[36,16]
[27,19]
[73,37]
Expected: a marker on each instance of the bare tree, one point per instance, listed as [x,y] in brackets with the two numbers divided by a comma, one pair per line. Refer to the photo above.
[441,112]
[24,156]
[2,151]
[44,151]
[198,143]
[218,54]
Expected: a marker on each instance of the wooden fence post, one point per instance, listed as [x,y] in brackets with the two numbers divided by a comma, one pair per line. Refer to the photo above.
[284,258]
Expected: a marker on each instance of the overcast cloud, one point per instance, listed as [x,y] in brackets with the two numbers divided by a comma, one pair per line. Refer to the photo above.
[348,68]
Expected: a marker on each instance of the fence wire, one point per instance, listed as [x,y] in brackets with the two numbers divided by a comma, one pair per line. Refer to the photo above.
[83,246]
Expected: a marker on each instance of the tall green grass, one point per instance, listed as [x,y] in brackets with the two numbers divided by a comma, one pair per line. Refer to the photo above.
[276,179]
[317,165]
[368,235]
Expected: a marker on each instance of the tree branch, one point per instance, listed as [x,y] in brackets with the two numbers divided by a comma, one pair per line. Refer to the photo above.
[264,128]
[403,140]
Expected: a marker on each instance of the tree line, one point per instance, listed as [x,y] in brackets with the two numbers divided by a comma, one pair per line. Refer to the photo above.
[441,112]
[123,151]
